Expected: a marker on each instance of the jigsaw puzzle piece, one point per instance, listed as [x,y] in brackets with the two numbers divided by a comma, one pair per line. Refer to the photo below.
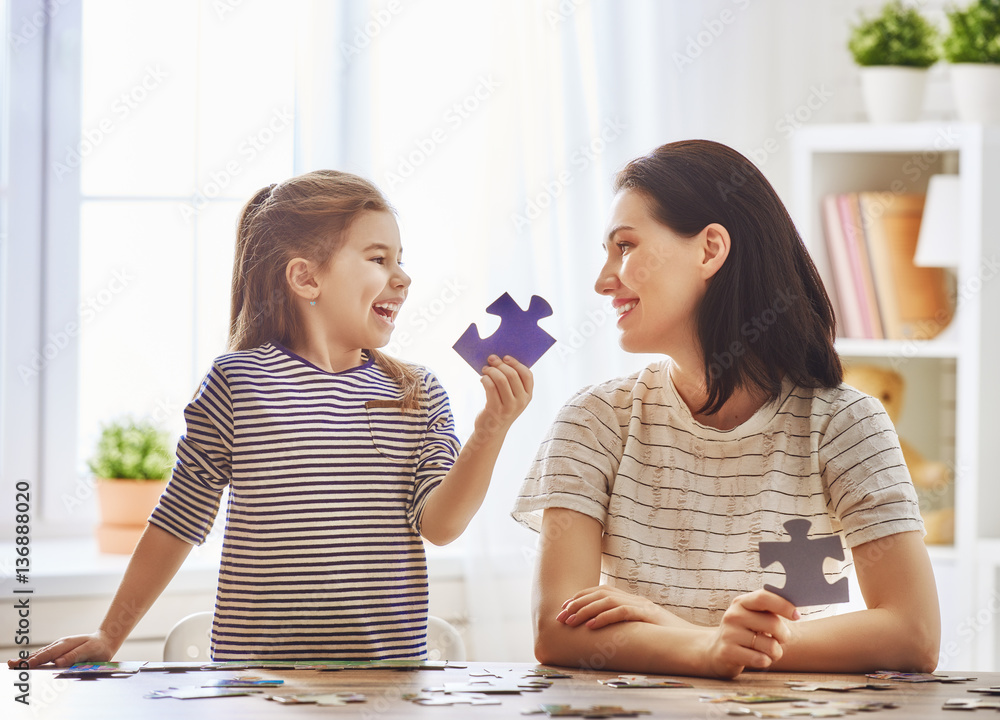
[910,677]
[331,699]
[594,711]
[518,334]
[803,559]
[970,704]
[641,681]
[425,698]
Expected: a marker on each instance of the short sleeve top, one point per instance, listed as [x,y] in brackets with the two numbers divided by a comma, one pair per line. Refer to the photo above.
[684,506]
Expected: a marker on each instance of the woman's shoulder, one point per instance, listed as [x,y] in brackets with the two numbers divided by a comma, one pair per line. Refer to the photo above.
[834,399]
[619,393]
[834,410]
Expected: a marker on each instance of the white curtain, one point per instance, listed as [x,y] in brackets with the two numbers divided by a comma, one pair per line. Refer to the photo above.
[495,129]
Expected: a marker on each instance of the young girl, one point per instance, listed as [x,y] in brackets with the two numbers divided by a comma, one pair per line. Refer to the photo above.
[661,485]
[337,458]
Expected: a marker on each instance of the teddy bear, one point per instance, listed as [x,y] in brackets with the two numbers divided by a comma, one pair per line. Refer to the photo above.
[931,478]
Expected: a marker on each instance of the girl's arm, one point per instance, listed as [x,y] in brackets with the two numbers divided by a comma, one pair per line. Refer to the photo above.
[639,636]
[452,504]
[154,562]
[900,630]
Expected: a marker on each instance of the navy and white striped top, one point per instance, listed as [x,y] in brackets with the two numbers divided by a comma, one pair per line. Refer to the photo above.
[328,476]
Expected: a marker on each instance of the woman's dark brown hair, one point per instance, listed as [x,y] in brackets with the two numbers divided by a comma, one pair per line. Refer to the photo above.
[765,313]
[305,217]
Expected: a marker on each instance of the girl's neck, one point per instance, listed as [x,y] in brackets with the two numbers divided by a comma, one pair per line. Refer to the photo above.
[690,386]
[325,357]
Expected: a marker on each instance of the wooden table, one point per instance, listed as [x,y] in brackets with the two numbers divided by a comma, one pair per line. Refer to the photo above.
[111,698]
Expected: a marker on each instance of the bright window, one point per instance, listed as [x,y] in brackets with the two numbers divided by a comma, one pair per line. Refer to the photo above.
[190,114]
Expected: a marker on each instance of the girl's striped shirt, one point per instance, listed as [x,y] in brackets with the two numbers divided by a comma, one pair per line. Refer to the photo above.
[328,476]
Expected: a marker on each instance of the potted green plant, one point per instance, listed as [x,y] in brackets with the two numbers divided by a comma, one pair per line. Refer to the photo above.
[972,48]
[131,462]
[894,50]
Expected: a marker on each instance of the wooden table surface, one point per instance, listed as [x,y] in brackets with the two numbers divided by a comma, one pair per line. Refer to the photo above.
[111,698]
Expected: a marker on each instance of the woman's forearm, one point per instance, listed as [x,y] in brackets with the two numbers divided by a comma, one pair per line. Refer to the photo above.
[640,647]
[900,630]
[863,641]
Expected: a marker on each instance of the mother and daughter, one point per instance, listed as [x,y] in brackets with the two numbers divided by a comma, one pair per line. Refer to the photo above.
[650,492]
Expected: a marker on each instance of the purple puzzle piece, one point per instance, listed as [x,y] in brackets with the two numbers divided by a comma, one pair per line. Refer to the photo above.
[802,559]
[518,334]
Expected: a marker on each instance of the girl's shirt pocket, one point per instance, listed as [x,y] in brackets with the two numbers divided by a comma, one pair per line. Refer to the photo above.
[396,432]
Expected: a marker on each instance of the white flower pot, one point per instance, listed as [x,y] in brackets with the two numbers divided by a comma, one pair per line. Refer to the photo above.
[977,92]
[892,93]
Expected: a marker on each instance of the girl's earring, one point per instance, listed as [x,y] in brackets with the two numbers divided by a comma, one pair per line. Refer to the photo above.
[312,302]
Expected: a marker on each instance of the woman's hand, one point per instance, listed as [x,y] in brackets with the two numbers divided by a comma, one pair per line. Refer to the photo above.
[751,634]
[70,650]
[508,384]
[604,605]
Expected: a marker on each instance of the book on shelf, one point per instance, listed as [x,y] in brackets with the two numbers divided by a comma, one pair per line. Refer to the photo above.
[857,248]
[844,294]
[871,239]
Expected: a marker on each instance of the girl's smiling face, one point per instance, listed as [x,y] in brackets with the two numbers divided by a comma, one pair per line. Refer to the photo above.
[654,277]
[363,286]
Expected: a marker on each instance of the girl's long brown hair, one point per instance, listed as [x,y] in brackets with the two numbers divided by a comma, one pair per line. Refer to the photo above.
[305,217]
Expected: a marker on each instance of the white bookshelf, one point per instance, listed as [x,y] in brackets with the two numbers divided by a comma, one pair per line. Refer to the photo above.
[952,400]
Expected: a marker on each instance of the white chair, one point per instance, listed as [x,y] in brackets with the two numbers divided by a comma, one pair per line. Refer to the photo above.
[443,641]
[190,640]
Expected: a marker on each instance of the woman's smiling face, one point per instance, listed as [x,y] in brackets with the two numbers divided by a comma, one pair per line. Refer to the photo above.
[652,276]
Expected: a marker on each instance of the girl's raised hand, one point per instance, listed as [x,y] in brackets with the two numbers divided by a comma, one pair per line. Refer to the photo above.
[751,634]
[604,605]
[508,384]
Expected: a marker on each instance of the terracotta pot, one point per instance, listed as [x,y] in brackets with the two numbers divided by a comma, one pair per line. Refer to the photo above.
[125,506]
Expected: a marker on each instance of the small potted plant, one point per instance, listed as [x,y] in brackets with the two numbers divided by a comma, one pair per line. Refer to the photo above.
[132,462]
[894,50]
[972,48]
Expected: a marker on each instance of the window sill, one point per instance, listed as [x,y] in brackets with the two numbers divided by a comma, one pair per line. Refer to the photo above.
[73,567]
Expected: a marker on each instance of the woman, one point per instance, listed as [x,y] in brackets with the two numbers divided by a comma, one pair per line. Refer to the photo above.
[652,492]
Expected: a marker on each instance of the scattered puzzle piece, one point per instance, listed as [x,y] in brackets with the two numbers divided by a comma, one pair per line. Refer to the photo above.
[199,693]
[837,686]
[101,670]
[544,672]
[325,699]
[425,698]
[971,704]
[748,699]
[507,687]
[388,665]
[594,711]
[174,667]
[916,677]
[802,559]
[995,690]
[518,334]
[244,682]
[814,709]
[641,681]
